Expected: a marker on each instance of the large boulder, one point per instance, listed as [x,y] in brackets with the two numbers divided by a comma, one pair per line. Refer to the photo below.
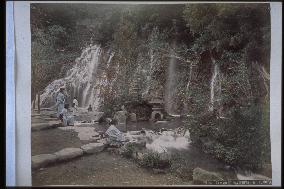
[201,176]
[68,153]
[42,160]
[93,148]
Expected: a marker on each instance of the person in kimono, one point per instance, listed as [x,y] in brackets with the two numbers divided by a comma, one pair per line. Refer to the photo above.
[67,116]
[60,100]
[90,108]
[75,103]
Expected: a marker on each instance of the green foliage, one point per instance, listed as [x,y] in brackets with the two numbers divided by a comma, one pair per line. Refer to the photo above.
[235,35]
[241,139]
[155,160]
[129,150]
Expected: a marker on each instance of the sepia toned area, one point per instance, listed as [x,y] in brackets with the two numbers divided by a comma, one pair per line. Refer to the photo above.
[150,94]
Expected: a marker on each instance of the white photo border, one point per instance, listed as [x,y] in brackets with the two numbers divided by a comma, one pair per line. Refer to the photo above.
[18,132]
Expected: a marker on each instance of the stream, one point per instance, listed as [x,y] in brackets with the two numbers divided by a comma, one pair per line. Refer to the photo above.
[168,137]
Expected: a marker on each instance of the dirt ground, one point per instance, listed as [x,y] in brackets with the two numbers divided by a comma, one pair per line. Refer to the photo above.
[53,140]
[103,169]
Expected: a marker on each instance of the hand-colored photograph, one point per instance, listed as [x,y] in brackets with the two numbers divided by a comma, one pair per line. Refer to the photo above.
[150,94]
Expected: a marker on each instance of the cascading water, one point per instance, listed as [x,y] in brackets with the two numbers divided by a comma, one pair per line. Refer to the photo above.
[109,59]
[171,80]
[189,78]
[171,84]
[92,62]
[81,81]
[215,86]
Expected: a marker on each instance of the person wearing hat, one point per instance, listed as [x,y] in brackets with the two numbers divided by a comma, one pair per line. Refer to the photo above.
[60,99]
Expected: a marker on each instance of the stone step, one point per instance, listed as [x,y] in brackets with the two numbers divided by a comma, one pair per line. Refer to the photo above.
[68,153]
[92,148]
[42,160]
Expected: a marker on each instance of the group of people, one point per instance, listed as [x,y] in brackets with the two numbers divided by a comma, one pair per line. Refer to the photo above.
[64,113]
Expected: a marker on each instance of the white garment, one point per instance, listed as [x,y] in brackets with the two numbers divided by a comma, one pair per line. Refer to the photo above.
[75,102]
[60,99]
[114,134]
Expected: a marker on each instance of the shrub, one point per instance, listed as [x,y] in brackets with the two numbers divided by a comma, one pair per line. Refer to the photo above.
[242,139]
[128,150]
[155,160]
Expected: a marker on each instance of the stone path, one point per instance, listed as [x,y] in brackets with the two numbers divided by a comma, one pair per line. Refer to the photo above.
[45,139]
[65,154]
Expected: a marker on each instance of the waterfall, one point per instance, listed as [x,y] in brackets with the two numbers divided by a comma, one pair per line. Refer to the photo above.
[215,86]
[80,81]
[109,59]
[170,86]
[171,80]
[189,77]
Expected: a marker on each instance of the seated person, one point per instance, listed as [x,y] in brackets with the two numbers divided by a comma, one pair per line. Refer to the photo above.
[90,108]
[74,109]
[67,115]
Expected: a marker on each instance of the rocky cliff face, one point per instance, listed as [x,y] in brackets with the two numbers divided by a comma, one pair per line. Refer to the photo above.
[98,75]
[82,81]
